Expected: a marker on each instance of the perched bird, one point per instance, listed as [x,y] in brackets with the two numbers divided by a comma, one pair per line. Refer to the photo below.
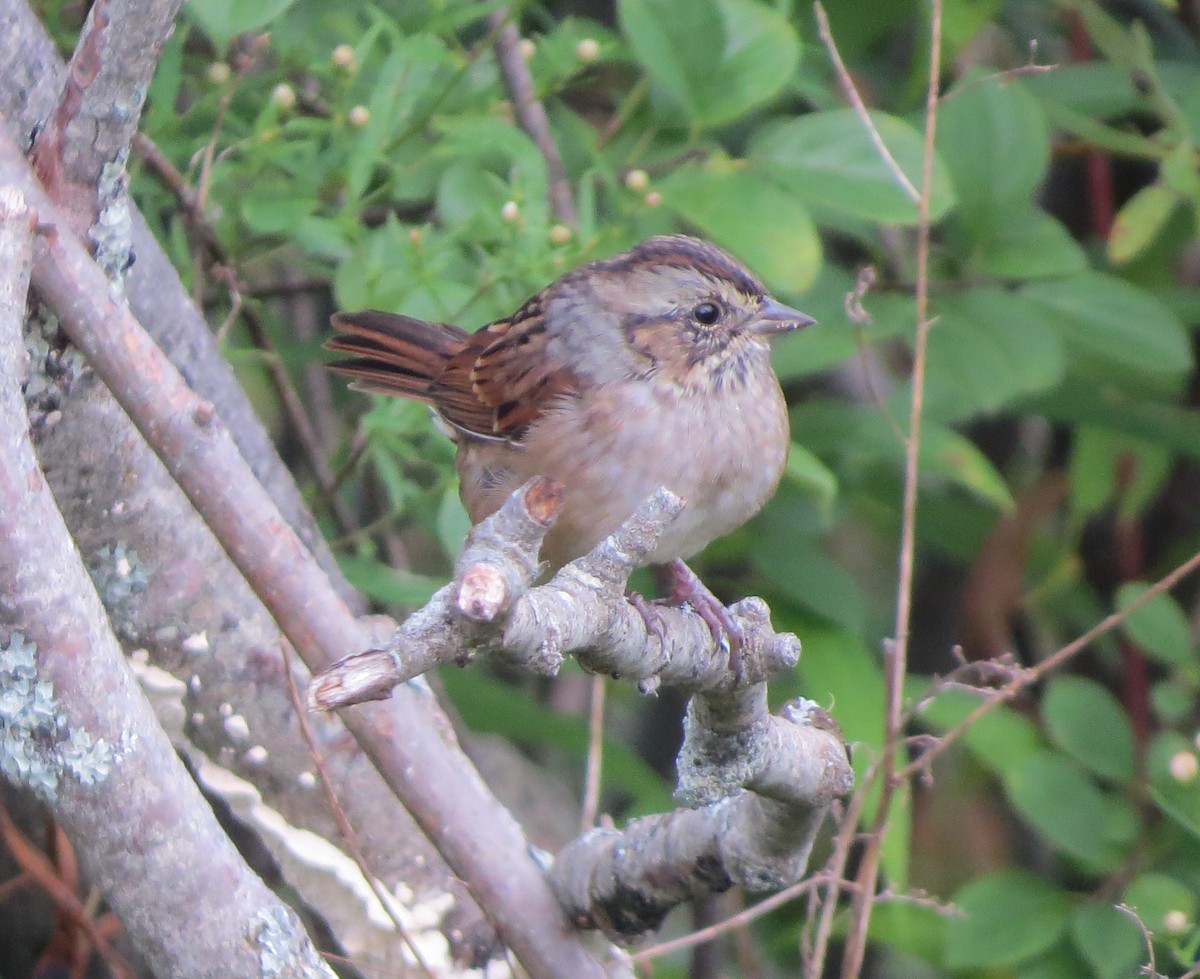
[648,369]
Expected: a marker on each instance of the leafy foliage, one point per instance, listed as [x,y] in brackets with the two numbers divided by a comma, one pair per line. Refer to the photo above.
[372,148]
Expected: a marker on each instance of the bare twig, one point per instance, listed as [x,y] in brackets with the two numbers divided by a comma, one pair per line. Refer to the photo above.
[1034,673]
[591,786]
[531,114]
[896,658]
[851,92]
[343,823]
[740,920]
[38,868]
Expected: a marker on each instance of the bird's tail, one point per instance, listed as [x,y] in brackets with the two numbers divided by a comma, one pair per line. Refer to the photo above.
[393,354]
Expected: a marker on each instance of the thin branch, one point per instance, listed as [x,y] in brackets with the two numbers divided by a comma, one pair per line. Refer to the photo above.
[37,867]
[851,92]
[896,658]
[595,755]
[1051,662]
[743,918]
[343,823]
[531,114]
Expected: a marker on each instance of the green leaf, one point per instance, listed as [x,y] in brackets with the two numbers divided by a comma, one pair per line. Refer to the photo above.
[223,20]
[1153,896]
[757,220]
[1001,739]
[1109,940]
[1009,916]
[385,584]
[840,671]
[1089,724]
[452,522]
[798,569]
[1160,627]
[1109,467]
[988,347]
[717,59]
[827,158]
[1104,316]
[1028,244]
[1071,811]
[811,476]
[996,146]
[1139,221]
[494,708]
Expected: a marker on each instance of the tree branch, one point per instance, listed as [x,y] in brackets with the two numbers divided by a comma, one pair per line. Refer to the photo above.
[31,77]
[624,882]
[478,838]
[531,114]
[77,730]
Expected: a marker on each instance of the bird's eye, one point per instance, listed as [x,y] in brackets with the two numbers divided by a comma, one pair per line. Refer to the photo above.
[706,313]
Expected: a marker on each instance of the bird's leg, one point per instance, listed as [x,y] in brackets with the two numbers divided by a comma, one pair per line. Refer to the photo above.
[684,587]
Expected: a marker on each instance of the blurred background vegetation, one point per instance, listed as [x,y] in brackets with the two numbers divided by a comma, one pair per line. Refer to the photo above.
[365,155]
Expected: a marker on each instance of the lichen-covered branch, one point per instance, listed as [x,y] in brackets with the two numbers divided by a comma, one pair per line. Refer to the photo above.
[582,611]
[409,746]
[31,78]
[624,882]
[77,730]
[81,151]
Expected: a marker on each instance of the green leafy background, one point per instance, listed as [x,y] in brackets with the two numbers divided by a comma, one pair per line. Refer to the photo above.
[1060,370]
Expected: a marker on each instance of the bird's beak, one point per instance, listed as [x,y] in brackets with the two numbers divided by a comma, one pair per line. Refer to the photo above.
[774,317]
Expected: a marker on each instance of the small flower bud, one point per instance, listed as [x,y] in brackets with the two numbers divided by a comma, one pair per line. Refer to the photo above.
[343,57]
[560,234]
[415,236]
[1184,767]
[284,96]
[1176,921]
[219,72]
[652,199]
[587,50]
[510,211]
[526,47]
[359,116]
[637,180]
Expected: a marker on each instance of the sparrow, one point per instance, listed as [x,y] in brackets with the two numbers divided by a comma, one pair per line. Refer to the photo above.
[648,369]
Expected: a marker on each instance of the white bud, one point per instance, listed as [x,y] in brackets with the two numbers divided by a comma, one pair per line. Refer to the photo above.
[343,57]
[526,47]
[1184,766]
[510,211]
[587,50]
[284,96]
[637,180]
[219,72]
[359,116]
[1176,921]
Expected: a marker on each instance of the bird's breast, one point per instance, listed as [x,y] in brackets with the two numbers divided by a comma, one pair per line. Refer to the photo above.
[721,451]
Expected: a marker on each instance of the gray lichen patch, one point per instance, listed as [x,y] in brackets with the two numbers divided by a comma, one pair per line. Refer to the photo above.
[37,746]
[112,231]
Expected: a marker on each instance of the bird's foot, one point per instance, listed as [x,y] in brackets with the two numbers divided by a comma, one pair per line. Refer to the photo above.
[684,587]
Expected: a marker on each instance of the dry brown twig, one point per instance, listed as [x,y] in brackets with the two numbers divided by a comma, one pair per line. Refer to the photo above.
[531,114]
